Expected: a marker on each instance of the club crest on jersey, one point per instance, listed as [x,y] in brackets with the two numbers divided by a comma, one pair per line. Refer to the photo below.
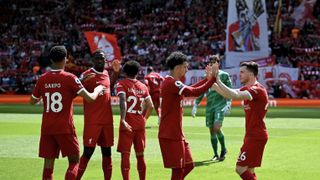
[179,84]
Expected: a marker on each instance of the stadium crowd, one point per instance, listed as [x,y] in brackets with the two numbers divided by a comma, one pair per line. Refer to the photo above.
[147,32]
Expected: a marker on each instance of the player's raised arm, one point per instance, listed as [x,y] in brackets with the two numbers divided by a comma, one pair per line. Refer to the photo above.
[90,97]
[226,91]
[189,91]
[116,66]
[232,93]
[216,88]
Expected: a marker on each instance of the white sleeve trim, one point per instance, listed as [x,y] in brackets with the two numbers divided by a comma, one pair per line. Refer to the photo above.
[249,94]
[80,90]
[121,92]
[180,92]
[34,97]
[148,97]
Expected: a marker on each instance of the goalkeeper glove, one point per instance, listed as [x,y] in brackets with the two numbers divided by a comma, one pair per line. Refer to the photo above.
[194,111]
[226,109]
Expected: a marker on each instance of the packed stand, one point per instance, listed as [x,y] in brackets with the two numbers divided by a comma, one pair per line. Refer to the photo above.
[147,32]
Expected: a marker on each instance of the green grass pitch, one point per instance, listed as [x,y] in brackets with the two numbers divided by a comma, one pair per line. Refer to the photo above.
[292,152]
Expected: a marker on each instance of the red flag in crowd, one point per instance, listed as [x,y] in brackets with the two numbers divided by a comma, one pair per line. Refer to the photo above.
[106,42]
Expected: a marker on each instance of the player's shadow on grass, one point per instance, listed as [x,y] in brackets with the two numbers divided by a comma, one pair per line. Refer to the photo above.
[205,162]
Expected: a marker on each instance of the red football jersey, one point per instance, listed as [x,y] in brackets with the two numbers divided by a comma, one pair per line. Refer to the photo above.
[255,111]
[153,81]
[172,93]
[136,93]
[98,112]
[57,89]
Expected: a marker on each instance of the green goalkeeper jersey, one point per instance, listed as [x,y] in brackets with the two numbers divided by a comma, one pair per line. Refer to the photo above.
[215,101]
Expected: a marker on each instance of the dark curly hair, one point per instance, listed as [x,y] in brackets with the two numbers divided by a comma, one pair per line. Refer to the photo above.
[175,58]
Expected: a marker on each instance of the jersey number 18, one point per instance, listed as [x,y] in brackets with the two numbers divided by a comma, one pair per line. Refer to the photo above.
[54,102]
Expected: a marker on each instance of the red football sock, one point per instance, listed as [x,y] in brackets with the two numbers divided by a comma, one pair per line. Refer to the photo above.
[125,166]
[47,174]
[82,166]
[72,171]
[107,167]
[141,166]
[187,169]
[247,175]
[177,174]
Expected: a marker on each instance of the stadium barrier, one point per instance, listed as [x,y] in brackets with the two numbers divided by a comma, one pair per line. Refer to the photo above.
[24,99]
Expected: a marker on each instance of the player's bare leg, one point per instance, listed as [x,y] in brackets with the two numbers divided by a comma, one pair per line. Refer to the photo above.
[87,153]
[141,165]
[246,173]
[48,169]
[72,170]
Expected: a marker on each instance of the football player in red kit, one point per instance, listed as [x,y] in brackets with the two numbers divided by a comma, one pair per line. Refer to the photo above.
[175,150]
[57,89]
[153,81]
[255,106]
[134,98]
[98,120]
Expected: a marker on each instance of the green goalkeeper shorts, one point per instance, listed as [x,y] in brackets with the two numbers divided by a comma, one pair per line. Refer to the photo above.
[214,117]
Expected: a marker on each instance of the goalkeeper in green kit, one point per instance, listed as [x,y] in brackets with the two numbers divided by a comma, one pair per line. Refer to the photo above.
[217,106]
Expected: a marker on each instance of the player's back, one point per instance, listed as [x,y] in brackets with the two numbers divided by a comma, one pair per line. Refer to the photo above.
[171,109]
[57,89]
[154,81]
[255,111]
[136,93]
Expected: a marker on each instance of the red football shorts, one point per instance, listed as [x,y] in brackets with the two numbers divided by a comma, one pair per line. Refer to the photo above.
[251,153]
[50,145]
[126,139]
[175,154]
[98,134]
